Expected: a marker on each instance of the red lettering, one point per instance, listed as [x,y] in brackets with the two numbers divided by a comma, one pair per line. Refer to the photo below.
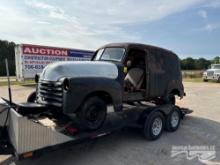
[42,50]
[64,52]
[57,52]
[34,51]
[27,50]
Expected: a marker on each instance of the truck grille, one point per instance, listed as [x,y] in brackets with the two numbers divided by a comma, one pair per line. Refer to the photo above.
[210,73]
[50,93]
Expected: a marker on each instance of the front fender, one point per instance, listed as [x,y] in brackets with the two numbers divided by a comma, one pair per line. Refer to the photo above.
[80,88]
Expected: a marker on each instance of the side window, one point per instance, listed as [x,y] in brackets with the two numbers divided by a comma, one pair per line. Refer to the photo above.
[136,58]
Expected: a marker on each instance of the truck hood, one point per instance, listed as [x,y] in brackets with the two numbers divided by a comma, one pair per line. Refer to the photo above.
[213,70]
[57,70]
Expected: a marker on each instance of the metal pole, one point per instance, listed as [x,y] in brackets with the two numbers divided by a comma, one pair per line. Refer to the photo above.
[8,77]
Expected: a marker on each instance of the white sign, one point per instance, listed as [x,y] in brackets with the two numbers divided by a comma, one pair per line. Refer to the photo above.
[31,59]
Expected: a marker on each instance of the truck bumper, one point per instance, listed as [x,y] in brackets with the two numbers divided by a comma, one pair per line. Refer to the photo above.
[210,77]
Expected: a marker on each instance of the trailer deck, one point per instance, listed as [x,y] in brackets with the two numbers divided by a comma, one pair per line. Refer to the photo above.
[28,136]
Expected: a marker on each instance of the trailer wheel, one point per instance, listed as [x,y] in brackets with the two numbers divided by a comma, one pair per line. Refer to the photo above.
[173,120]
[32,97]
[92,113]
[153,126]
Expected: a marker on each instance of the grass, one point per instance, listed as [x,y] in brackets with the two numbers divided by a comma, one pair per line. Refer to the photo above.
[192,80]
[26,82]
[197,80]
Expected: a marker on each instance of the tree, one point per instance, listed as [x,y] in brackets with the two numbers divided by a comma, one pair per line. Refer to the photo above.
[216,60]
[202,63]
[7,51]
[188,64]
[195,64]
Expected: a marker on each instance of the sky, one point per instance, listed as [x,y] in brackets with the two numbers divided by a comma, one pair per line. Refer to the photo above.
[187,27]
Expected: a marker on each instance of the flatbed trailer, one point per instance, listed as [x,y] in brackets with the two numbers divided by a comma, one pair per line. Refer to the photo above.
[26,136]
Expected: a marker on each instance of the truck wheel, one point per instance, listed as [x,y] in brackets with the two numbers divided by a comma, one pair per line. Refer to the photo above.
[218,80]
[92,113]
[205,80]
[173,120]
[153,126]
[32,97]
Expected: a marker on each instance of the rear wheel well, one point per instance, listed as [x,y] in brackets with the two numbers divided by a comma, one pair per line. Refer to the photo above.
[175,92]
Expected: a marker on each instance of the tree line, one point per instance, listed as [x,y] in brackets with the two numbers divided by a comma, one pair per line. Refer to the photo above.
[198,64]
[7,51]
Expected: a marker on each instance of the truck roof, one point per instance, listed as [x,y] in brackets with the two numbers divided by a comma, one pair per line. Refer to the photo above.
[129,44]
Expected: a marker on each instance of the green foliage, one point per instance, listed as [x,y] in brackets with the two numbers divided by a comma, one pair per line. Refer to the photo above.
[195,64]
[7,51]
[188,64]
[216,60]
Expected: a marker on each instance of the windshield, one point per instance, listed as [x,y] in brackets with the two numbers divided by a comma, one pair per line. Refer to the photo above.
[215,66]
[110,54]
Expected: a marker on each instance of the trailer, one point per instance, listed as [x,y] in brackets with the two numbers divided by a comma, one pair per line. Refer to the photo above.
[26,135]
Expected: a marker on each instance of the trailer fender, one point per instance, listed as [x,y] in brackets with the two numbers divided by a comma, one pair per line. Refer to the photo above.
[164,109]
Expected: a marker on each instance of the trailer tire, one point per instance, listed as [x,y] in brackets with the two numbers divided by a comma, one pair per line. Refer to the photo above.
[92,113]
[32,97]
[153,126]
[173,120]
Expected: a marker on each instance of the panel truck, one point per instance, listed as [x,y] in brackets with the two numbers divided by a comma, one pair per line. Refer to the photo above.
[124,85]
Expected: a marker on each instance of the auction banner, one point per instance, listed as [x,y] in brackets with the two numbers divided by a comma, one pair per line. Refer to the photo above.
[31,59]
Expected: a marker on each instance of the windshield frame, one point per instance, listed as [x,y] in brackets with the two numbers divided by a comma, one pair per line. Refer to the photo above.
[103,51]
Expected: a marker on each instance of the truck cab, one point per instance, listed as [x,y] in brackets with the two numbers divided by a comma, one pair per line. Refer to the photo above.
[118,73]
[146,72]
[213,73]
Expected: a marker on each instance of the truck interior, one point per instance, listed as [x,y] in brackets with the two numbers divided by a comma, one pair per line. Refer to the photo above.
[135,78]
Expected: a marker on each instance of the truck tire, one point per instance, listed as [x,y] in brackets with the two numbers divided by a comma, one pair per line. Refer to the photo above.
[92,113]
[153,126]
[172,121]
[218,81]
[32,97]
[205,80]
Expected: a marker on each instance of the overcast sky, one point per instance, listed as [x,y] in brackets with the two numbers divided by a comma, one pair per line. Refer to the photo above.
[188,27]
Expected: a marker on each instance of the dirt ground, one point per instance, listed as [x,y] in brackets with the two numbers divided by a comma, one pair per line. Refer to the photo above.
[201,128]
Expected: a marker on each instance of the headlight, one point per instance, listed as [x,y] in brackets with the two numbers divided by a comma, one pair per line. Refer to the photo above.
[66,84]
[204,73]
